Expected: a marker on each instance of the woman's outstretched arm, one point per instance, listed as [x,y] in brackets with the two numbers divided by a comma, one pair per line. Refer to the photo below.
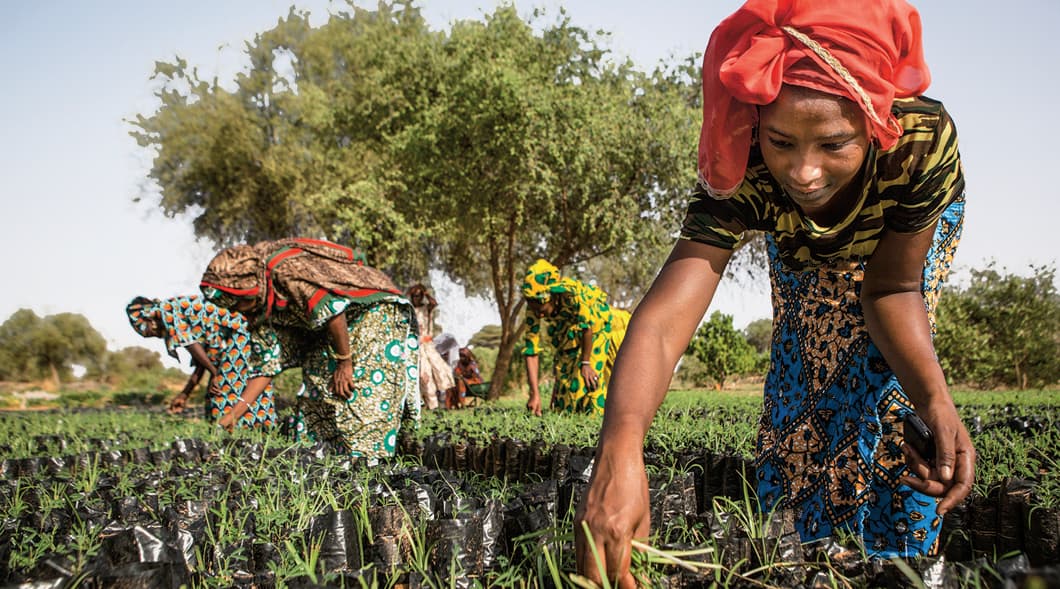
[615,508]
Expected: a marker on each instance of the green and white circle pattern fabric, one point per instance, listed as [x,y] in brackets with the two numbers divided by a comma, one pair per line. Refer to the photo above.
[384,392]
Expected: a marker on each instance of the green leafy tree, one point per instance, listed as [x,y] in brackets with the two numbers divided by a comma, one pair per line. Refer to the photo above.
[16,347]
[297,146]
[1003,329]
[36,348]
[489,336]
[722,349]
[540,144]
[628,272]
[759,334]
[119,365]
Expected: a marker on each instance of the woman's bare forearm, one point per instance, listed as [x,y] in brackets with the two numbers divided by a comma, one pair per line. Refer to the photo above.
[193,380]
[251,392]
[532,364]
[896,316]
[198,353]
[339,334]
[898,325]
[658,334]
[587,345]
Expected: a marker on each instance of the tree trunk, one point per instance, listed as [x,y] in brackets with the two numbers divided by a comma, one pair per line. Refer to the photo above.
[55,374]
[512,329]
[509,303]
[504,361]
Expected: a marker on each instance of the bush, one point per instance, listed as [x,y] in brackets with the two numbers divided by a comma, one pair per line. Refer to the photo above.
[692,374]
[722,349]
[1003,329]
[74,399]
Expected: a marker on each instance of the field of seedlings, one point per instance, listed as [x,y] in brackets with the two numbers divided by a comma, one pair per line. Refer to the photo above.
[476,498]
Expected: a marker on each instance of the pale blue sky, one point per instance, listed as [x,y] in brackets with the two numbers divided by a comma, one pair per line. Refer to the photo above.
[74,71]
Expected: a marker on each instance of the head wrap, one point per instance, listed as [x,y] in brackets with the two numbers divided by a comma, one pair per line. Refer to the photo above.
[235,273]
[869,52]
[142,313]
[542,279]
[295,273]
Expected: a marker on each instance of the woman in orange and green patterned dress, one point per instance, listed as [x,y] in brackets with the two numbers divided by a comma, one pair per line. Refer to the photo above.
[218,342]
[585,332]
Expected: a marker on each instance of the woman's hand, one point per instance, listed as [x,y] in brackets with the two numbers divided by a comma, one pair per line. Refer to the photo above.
[215,381]
[588,374]
[533,405]
[178,403]
[615,510]
[228,421]
[202,363]
[953,472]
[342,379]
[592,380]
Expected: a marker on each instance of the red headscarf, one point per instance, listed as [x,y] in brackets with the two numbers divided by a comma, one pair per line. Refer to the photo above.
[869,52]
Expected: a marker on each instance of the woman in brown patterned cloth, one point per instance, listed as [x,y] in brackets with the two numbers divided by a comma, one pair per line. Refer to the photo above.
[313,305]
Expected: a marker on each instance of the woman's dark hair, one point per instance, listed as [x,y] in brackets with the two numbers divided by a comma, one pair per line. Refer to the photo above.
[417,290]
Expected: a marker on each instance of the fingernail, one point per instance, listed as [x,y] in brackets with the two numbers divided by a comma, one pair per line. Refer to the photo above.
[946,472]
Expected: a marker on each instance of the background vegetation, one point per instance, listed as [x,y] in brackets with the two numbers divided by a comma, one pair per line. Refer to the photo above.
[1000,330]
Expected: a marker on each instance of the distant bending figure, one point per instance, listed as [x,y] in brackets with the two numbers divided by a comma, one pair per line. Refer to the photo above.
[585,332]
[436,376]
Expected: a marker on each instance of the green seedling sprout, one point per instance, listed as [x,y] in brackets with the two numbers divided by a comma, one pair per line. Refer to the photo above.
[307,564]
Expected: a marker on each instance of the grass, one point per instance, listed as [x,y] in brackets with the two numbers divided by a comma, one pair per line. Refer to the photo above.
[286,487]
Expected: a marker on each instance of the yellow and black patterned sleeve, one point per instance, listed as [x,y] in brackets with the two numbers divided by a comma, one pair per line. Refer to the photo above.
[922,174]
[721,222]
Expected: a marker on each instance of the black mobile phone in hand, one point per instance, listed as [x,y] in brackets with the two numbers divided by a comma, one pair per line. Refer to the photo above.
[919,436]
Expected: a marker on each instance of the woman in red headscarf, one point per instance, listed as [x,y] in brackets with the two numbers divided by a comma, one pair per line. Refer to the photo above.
[814,133]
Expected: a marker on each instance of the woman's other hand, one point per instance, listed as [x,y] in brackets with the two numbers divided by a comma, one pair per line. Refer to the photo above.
[592,380]
[533,405]
[178,403]
[952,473]
[214,382]
[227,422]
[342,379]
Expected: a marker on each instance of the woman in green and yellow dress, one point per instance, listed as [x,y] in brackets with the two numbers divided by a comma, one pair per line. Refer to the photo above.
[585,332]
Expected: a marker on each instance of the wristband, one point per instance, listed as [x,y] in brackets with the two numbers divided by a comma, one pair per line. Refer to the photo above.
[345,356]
[586,362]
